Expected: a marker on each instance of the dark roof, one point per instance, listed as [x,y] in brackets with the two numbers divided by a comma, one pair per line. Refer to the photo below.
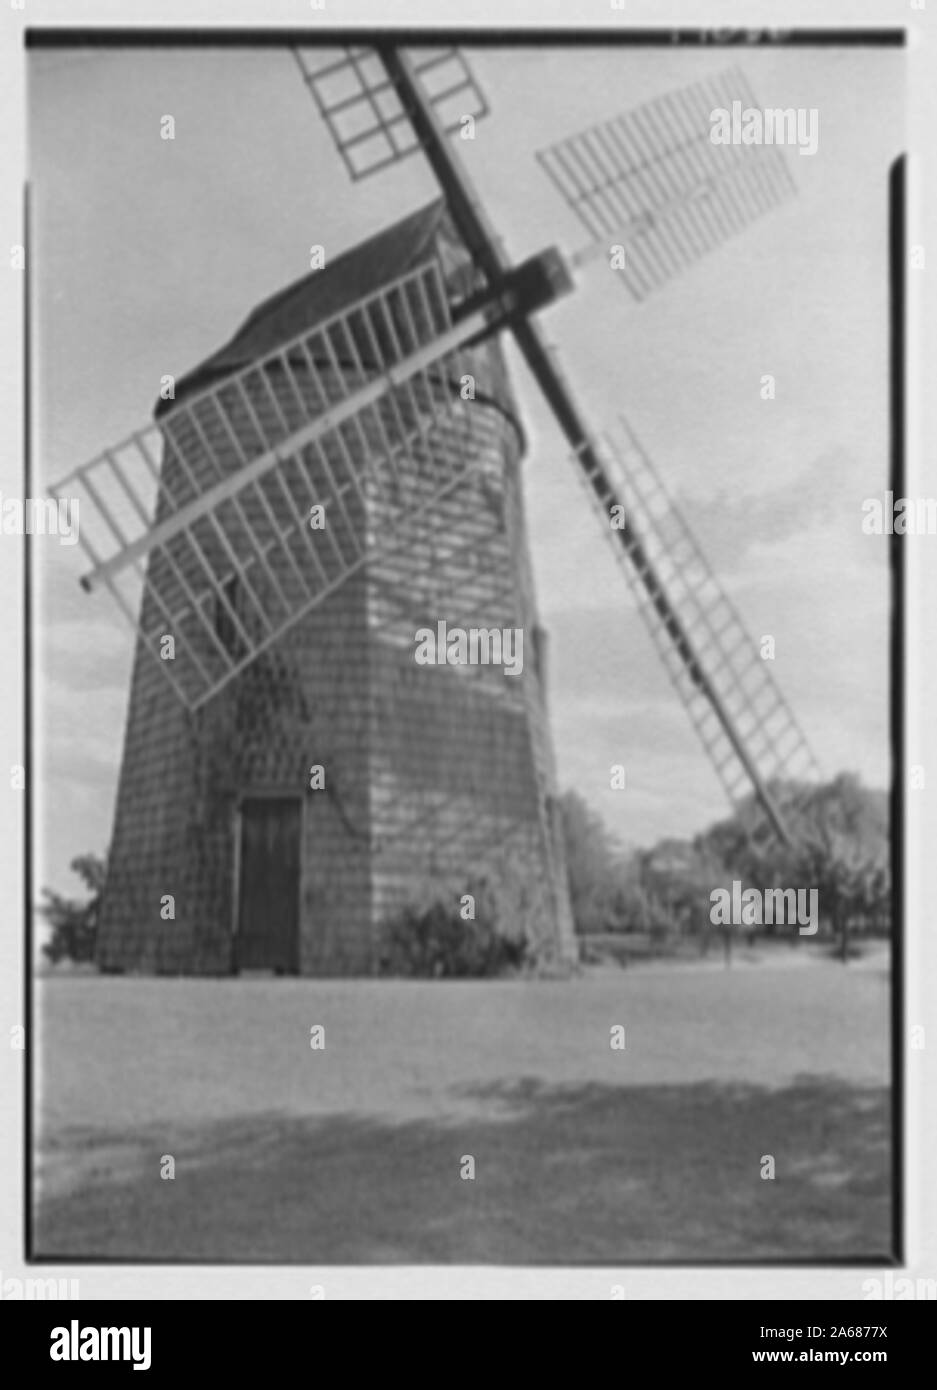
[358,272]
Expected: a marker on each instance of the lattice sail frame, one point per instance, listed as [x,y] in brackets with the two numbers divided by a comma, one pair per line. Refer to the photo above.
[363,110]
[362,401]
[652,181]
[723,648]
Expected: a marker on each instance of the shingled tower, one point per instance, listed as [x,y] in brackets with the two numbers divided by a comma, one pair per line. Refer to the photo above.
[429,773]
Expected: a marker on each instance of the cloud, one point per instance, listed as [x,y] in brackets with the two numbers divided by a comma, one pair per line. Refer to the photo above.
[823,502]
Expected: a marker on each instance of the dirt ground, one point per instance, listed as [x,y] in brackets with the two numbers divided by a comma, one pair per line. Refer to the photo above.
[356,1151]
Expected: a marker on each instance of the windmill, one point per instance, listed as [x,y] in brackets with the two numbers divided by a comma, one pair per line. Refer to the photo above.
[304,495]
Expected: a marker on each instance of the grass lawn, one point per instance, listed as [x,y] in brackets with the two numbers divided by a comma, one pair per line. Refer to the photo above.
[353,1153]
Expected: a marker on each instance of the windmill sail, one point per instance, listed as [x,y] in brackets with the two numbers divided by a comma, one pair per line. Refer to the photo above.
[361,404]
[362,105]
[740,714]
[653,182]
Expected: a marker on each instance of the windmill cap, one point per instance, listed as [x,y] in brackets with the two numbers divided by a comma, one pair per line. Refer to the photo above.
[360,271]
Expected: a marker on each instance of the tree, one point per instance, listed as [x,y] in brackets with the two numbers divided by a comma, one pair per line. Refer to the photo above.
[592,865]
[843,853]
[839,845]
[75,924]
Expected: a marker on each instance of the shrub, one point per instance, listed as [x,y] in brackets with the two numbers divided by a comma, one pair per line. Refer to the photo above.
[75,924]
[430,939]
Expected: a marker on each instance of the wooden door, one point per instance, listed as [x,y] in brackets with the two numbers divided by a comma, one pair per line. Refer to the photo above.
[269,884]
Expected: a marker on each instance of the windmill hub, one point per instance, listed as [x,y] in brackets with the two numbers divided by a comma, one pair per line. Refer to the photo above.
[538,281]
[524,289]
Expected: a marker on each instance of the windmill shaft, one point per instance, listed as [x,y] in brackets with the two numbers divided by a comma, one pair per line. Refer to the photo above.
[463,202]
[483,242]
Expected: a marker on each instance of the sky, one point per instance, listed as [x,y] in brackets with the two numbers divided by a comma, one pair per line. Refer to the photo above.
[148,254]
